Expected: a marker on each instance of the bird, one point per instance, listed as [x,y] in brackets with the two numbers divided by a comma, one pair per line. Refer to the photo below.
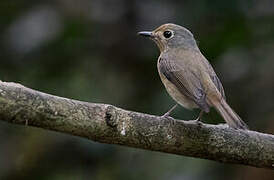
[188,76]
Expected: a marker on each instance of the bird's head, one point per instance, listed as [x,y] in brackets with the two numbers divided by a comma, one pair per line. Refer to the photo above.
[170,36]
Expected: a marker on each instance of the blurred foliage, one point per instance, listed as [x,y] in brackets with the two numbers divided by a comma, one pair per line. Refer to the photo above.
[88,50]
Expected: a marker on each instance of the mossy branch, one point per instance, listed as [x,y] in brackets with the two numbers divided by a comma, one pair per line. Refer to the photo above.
[109,124]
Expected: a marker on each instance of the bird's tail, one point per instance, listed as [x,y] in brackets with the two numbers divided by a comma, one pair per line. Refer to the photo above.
[232,119]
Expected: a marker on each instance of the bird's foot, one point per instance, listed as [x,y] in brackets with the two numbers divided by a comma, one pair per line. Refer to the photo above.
[167,116]
[196,121]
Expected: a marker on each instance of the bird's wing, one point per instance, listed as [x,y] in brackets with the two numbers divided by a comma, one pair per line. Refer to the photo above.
[215,79]
[186,80]
[218,84]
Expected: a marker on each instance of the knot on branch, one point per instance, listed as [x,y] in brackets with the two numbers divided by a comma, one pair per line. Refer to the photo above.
[111,117]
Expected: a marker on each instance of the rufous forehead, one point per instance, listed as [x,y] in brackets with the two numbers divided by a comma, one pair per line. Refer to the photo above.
[164,27]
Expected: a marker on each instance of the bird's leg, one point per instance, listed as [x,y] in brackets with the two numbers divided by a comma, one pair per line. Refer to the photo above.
[169,111]
[198,119]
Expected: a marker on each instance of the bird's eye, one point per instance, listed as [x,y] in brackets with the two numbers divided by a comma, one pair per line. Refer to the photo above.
[167,34]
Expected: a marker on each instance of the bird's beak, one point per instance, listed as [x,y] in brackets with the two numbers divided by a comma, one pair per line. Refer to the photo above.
[145,33]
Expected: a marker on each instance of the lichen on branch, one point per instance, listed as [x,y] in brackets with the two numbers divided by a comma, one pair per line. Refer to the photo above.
[112,125]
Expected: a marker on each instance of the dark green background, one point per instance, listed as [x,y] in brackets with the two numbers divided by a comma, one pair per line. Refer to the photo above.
[88,50]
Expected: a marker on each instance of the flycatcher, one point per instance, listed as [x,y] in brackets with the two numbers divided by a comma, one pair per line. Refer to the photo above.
[187,75]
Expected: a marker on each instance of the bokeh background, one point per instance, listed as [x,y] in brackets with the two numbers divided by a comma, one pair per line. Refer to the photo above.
[88,50]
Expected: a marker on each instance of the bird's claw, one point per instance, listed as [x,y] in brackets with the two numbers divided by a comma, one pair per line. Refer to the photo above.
[196,121]
[171,119]
[166,116]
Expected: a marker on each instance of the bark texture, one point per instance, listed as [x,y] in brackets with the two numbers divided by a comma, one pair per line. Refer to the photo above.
[109,124]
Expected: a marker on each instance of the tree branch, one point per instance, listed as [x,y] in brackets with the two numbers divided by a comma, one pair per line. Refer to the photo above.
[109,124]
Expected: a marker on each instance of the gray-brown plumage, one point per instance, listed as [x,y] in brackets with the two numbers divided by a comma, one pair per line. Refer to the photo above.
[187,75]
